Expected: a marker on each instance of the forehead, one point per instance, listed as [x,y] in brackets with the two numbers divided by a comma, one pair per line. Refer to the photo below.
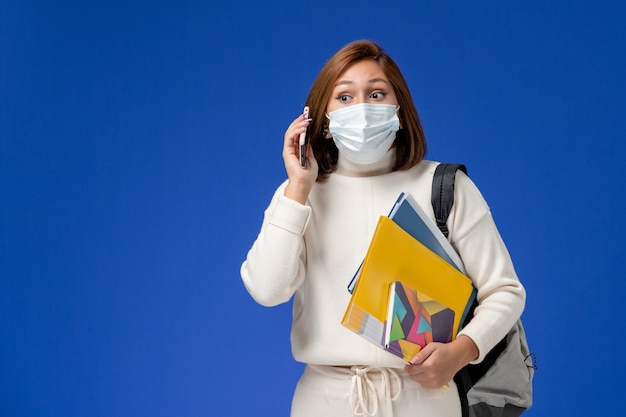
[362,71]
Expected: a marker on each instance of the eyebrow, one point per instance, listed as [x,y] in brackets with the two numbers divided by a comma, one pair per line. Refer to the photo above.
[372,81]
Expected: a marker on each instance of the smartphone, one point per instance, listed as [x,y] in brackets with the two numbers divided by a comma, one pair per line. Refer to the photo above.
[303,140]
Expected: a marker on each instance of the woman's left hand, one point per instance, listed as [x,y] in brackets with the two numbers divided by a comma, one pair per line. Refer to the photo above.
[436,364]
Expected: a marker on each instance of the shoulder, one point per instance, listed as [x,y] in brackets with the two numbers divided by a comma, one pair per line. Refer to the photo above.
[425,166]
[464,187]
[467,191]
[424,170]
[467,197]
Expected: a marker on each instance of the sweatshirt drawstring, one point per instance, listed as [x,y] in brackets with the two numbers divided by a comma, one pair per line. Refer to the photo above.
[364,396]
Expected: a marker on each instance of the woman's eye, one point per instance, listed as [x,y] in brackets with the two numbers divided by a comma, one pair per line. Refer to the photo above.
[344,98]
[378,95]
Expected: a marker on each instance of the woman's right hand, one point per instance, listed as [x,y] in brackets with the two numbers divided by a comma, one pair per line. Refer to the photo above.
[301,180]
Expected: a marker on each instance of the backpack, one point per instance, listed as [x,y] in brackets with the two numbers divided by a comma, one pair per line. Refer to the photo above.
[501,385]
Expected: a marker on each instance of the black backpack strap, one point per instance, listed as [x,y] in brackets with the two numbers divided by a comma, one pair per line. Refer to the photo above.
[442,197]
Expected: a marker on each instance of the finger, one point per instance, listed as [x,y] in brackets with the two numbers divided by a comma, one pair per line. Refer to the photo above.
[296,128]
[292,140]
[300,120]
[412,370]
[423,354]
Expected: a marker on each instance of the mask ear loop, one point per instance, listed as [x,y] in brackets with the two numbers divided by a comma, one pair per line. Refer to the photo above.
[327,134]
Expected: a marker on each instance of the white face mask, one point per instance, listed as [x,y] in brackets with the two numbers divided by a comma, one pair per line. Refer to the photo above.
[364,132]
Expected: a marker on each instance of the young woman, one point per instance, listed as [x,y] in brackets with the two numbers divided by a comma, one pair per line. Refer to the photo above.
[366,146]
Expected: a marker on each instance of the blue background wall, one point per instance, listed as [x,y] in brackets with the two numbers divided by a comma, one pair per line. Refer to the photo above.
[141,142]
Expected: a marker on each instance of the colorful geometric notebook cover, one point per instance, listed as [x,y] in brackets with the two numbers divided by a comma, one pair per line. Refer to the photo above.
[415,320]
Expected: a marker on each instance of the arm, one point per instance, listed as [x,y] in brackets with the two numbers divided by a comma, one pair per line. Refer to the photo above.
[274,267]
[500,294]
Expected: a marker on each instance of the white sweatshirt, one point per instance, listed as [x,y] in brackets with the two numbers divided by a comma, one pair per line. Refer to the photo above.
[312,251]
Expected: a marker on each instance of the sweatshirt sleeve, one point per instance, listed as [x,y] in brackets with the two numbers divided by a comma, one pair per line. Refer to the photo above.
[500,294]
[274,266]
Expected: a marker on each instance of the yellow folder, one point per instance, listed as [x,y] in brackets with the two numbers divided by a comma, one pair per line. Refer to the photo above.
[394,255]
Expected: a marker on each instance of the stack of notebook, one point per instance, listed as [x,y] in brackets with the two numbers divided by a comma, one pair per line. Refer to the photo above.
[411,288]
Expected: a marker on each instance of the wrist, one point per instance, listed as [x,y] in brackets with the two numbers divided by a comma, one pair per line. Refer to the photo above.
[296,192]
[466,350]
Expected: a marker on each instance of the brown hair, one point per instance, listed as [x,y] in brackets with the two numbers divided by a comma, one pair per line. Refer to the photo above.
[410,142]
